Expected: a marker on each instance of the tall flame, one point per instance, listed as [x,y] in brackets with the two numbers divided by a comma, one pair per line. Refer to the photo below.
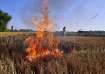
[44,42]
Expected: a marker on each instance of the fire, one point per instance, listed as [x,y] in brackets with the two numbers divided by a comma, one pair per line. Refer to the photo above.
[44,43]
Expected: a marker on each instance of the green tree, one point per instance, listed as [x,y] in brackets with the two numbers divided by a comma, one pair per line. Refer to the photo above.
[4,19]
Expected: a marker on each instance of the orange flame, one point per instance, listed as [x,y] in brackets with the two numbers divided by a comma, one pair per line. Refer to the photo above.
[43,43]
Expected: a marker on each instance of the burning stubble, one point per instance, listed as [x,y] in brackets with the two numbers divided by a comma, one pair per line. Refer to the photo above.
[44,43]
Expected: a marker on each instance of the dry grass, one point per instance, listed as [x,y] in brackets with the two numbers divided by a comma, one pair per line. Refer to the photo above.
[86,63]
[88,57]
[86,43]
[3,34]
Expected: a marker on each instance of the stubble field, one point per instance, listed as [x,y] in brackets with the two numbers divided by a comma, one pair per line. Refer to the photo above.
[83,55]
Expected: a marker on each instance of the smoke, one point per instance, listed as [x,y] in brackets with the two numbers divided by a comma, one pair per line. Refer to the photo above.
[33,8]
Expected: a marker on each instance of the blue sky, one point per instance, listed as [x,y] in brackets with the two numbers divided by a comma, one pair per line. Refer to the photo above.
[73,14]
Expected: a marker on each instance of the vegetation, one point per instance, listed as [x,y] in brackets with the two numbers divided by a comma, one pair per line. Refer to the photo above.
[4,19]
[86,56]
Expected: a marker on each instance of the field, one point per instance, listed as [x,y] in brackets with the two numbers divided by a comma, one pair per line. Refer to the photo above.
[83,55]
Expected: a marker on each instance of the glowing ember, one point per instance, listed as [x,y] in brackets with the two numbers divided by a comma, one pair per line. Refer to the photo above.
[43,43]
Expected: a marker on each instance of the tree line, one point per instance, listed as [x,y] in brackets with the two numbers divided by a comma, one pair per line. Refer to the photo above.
[4,19]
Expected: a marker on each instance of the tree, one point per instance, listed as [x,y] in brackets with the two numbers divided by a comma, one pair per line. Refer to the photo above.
[4,19]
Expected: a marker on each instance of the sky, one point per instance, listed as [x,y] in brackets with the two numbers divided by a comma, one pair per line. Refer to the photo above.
[73,14]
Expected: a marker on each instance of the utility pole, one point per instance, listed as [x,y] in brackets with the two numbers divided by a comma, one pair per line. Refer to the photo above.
[12,28]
